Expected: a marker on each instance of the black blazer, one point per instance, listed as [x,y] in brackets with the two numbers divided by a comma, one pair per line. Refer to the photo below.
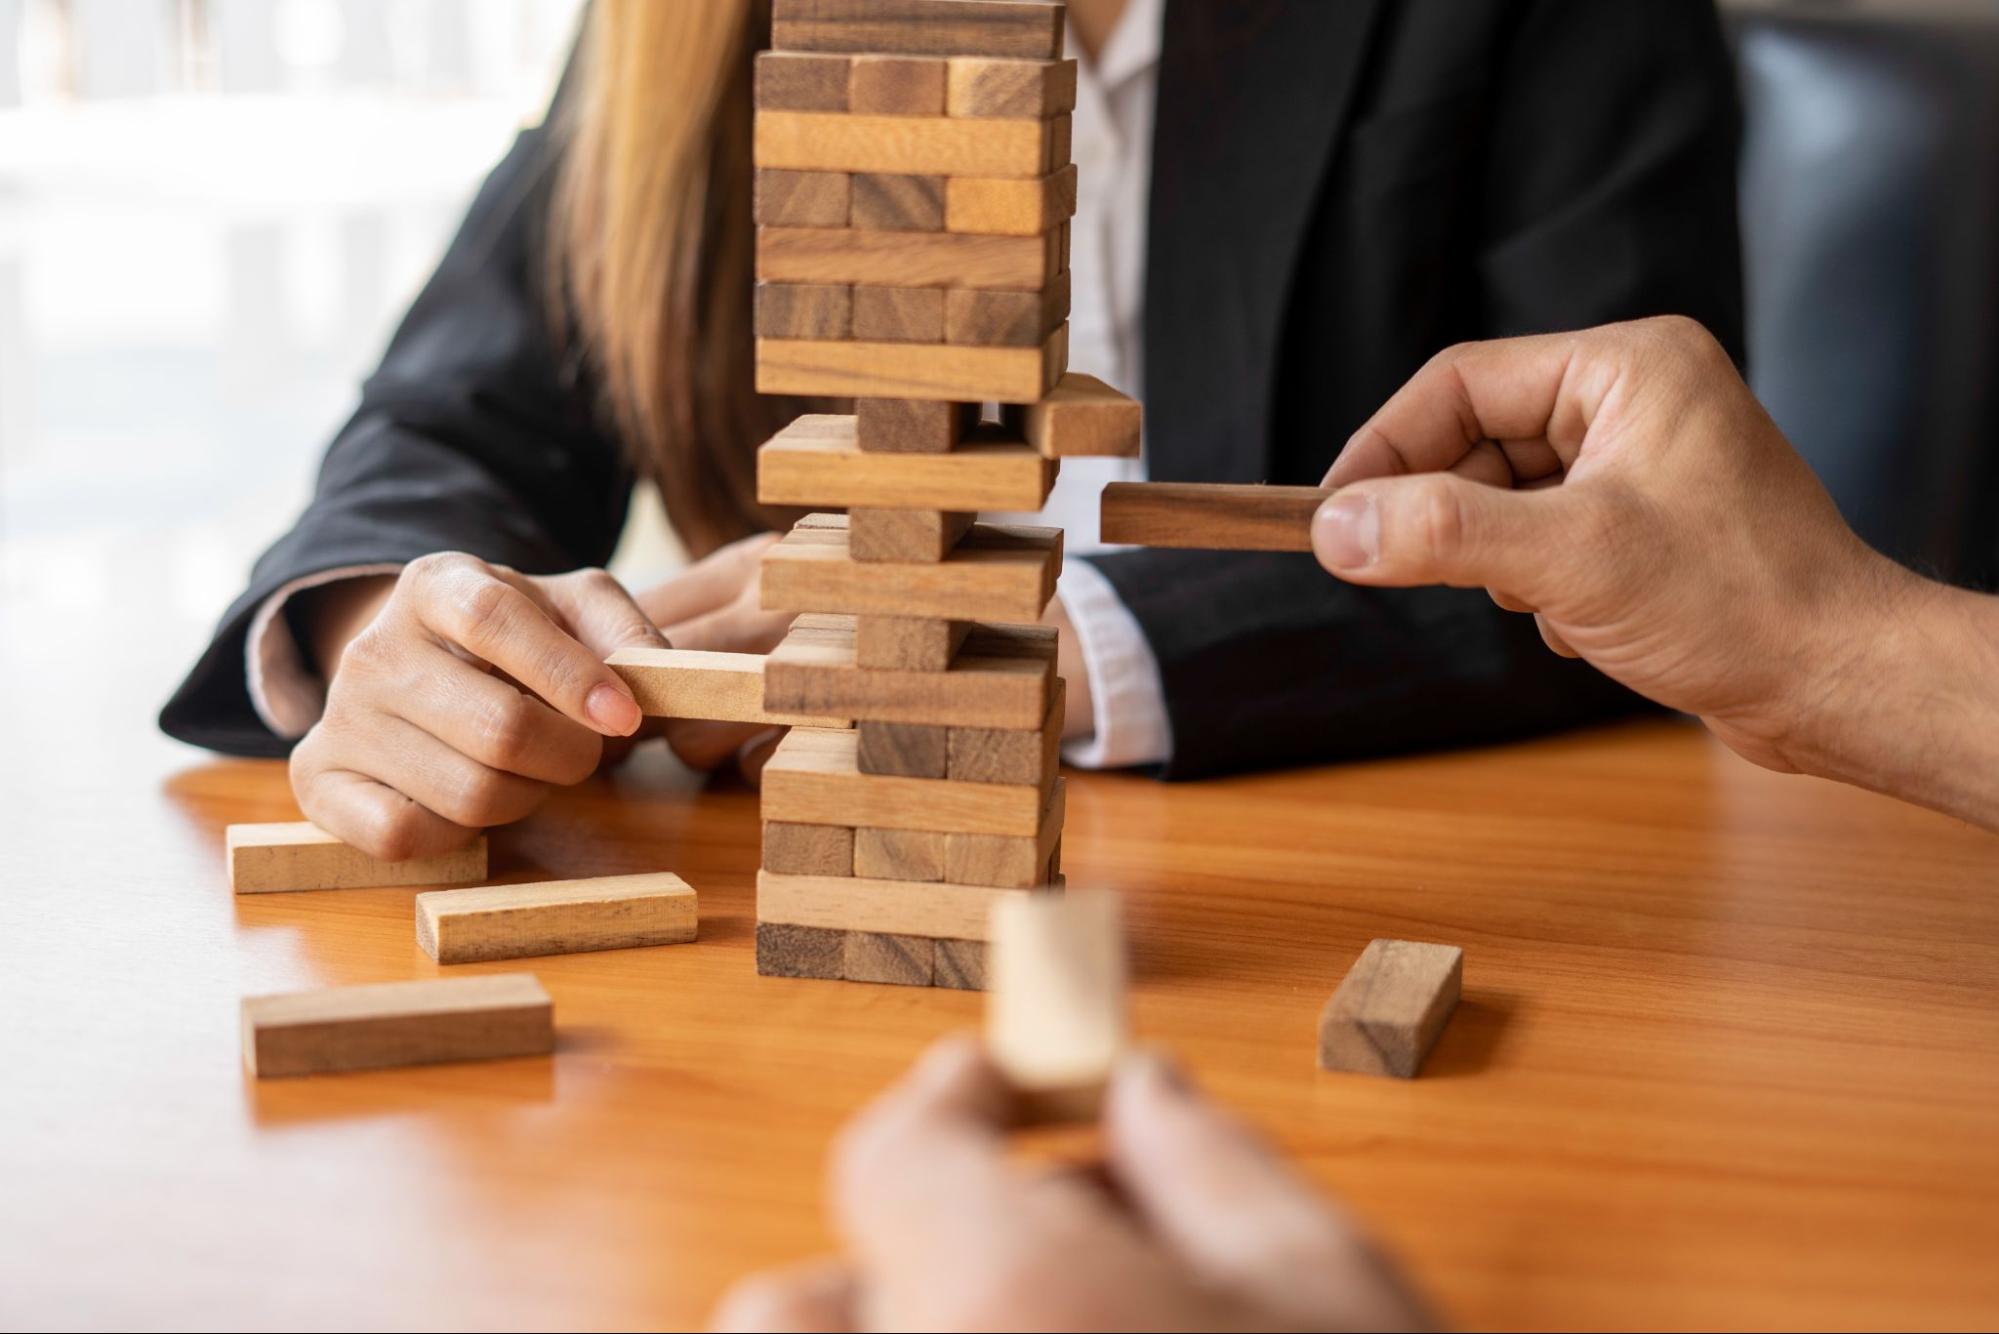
[1340,189]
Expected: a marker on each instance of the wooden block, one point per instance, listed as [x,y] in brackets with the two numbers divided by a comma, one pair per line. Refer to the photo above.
[998,207]
[995,573]
[912,426]
[798,310]
[808,368]
[693,683]
[897,203]
[899,854]
[959,965]
[1211,517]
[1010,755]
[397,1023]
[1390,1008]
[1061,137]
[908,256]
[556,917]
[898,314]
[803,198]
[913,750]
[1021,29]
[808,849]
[1006,89]
[814,777]
[784,950]
[792,81]
[270,858]
[876,536]
[988,681]
[1009,862]
[909,145]
[873,956]
[939,911]
[818,461]
[893,86]
[1007,319]
[908,644]
[1081,416]
[1055,1009]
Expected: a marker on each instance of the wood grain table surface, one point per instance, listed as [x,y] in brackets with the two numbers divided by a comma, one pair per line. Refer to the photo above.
[1728,1054]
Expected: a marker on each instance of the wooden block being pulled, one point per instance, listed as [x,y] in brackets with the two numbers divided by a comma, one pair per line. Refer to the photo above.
[910,145]
[912,750]
[900,537]
[397,1023]
[808,849]
[908,644]
[898,314]
[890,245]
[1209,516]
[894,86]
[817,461]
[272,858]
[1009,862]
[989,206]
[803,198]
[1055,1008]
[941,371]
[556,917]
[911,426]
[794,81]
[784,950]
[694,683]
[801,310]
[1390,1008]
[897,203]
[1007,319]
[1010,755]
[814,777]
[1082,416]
[1008,89]
[1020,29]
[938,910]
[959,965]
[875,956]
[899,854]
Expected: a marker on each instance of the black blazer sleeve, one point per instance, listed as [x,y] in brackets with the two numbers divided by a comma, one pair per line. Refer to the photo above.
[475,434]
[1601,141]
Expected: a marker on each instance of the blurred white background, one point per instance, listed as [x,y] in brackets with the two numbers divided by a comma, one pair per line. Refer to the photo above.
[212,212]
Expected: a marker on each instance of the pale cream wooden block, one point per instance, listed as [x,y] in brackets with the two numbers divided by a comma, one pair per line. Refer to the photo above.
[1390,1008]
[556,917]
[936,909]
[270,858]
[397,1023]
[1055,1009]
[692,683]
[817,460]
[814,777]
[940,371]
[908,145]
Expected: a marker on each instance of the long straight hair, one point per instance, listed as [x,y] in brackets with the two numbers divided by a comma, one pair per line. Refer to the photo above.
[653,249]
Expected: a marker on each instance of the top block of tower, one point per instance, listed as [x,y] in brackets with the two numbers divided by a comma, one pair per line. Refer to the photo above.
[1020,29]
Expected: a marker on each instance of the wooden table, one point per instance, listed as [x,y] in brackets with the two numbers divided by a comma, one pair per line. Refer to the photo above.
[1728,1056]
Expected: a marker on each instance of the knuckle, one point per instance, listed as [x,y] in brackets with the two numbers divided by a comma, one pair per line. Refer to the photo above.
[473,798]
[391,835]
[505,730]
[480,606]
[1439,521]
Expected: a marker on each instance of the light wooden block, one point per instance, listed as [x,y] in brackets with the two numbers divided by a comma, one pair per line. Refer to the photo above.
[1081,416]
[874,956]
[895,86]
[891,244]
[817,461]
[1020,29]
[784,950]
[912,750]
[1002,676]
[912,426]
[1209,516]
[797,310]
[902,537]
[908,644]
[397,1023]
[808,849]
[1011,755]
[556,917]
[897,203]
[1008,89]
[795,81]
[1390,1008]
[1055,1008]
[910,145]
[803,198]
[942,371]
[938,910]
[899,854]
[274,858]
[1010,862]
[1007,319]
[959,965]
[694,683]
[989,206]
[898,314]
[814,777]
[995,573]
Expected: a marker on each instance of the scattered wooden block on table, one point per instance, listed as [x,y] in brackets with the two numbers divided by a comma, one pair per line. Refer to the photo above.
[995,206]
[907,644]
[556,917]
[910,426]
[936,909]
[911,750]
[784,950]
[1010,755]
[801,81]
[693,683]
[897,203]
[911,145]
[959,965]
[995,572]
[1020,29]
[898,314]
[1081,416]
[1006,319]
[818,461]
[893,248]
[801,310]
[808,849]
[980,86]
[874,956]
[905,536]
[940,371]
[1008,862]
[1055,1009]
[1209,516]
[397,1023]
[295,855]
[899,854]
[1390,1008]
[817,199]
[814,777]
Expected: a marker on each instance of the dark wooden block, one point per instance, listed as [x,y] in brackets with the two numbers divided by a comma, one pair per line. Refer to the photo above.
[800,951]
[905,536]
[790,81]
[959,965]
[799,310]
[1018,29]
[911,426]
[808,849]
[911,750]
[897,203]
[896,86]
[999,755]
[1390,1008]
[872,956]
[1005,319]
[897,314]
[909,644]
[803,198]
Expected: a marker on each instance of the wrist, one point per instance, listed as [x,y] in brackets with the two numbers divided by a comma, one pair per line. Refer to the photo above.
[326,619]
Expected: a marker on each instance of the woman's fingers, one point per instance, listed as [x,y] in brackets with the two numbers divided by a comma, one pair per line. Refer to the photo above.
[709,584]
[443,780]
[368,814]
[702,744]
[492,722]
[597,610]
[817,1295]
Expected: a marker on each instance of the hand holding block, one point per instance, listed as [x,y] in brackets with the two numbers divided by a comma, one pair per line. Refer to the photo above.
[556,917]
[1055,1015]
[270,858]
[1390,1008]
[397,1023]
[1207,516]
[692,683]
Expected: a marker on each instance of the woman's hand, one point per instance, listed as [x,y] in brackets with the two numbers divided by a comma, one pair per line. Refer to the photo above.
[471,692]
[1199,1225]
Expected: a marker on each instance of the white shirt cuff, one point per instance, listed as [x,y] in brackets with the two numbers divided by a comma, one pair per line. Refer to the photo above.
[1128,700]
[286,696]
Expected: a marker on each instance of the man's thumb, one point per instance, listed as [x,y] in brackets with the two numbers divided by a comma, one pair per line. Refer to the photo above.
[1437,528]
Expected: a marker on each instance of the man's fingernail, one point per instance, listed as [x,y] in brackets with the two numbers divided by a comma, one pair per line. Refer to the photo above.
[612,710]
[1347,532]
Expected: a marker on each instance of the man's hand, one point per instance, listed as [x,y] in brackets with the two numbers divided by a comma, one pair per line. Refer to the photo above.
[1198,1225]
